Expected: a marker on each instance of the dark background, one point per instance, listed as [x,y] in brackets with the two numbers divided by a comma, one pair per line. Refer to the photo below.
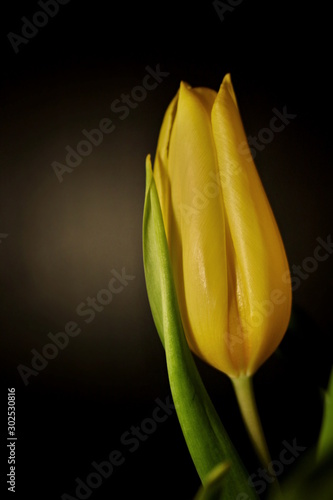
[64,238]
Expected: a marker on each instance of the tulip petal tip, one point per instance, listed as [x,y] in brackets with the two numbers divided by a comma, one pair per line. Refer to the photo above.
[185,85]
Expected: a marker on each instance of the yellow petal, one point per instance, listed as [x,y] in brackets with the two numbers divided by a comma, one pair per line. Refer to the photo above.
[194,221]
[260,294]
[161,173]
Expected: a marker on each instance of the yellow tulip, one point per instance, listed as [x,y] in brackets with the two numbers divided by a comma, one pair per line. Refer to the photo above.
[228,260]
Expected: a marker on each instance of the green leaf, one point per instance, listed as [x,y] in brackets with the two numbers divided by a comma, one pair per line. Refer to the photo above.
[312,478]
[215,484]
[309,481]
[325,441]
[206,438]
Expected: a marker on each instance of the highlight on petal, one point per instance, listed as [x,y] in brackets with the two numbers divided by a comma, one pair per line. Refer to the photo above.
[195,225]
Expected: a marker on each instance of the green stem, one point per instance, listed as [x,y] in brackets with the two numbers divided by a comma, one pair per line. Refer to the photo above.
[245,396]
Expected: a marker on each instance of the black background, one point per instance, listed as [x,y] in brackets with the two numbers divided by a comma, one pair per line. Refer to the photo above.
[64,238]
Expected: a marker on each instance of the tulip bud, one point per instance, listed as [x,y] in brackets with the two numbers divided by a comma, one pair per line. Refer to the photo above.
[227,256]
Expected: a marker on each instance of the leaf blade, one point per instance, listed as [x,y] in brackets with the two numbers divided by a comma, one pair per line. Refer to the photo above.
[205,436]
[325,441]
